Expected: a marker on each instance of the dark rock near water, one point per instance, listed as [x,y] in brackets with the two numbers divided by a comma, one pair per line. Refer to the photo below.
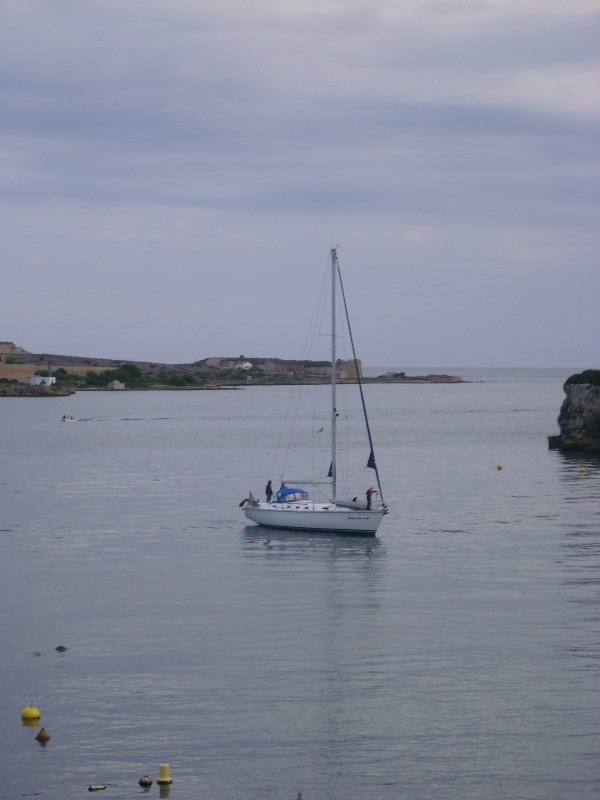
[14,389]
[579,418]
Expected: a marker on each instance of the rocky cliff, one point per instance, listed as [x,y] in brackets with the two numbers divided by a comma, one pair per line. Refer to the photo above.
[579,418]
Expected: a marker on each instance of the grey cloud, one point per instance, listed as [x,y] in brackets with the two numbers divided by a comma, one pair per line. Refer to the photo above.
[420,129]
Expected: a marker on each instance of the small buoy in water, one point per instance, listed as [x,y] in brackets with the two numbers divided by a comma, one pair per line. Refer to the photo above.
[61,648]
[583,470]
[145,781]
[164,776]
[43,735]
[499,467]
[30,712]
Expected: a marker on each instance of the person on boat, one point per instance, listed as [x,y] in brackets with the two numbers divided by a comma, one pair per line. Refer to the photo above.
[370,492]
[269,491]
[247,502]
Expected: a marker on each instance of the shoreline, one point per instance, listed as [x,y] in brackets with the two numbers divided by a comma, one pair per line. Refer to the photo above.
[24,390]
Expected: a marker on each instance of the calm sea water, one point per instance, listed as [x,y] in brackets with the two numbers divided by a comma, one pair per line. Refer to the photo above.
[456,655]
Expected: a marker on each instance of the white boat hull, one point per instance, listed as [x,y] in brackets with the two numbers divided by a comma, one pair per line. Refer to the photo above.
[312,516]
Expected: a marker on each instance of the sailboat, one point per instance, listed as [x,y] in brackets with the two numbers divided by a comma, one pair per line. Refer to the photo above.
[292,507]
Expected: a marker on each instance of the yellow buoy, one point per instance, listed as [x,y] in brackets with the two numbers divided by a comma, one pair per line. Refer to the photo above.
[31,712]
[164,777]
[583,470]
[499,467]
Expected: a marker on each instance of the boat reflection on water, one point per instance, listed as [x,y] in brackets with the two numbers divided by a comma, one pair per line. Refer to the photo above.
[258,536]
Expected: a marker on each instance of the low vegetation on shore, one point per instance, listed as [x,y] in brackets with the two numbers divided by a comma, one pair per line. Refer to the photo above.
[591,377]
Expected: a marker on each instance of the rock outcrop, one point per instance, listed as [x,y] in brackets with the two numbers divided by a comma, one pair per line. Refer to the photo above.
[14,389]
[579,418]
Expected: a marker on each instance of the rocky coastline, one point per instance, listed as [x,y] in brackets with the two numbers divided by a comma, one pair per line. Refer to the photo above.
[14,389]
[579,417]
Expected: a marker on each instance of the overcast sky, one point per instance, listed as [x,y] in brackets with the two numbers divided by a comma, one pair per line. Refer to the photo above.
[173,174]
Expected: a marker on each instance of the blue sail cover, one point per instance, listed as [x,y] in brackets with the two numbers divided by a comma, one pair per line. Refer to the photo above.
[286,494]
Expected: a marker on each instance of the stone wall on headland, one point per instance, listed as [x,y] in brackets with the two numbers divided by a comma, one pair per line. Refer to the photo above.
[579,418]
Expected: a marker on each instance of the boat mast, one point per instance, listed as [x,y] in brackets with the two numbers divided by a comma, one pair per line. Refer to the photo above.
[333,376]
